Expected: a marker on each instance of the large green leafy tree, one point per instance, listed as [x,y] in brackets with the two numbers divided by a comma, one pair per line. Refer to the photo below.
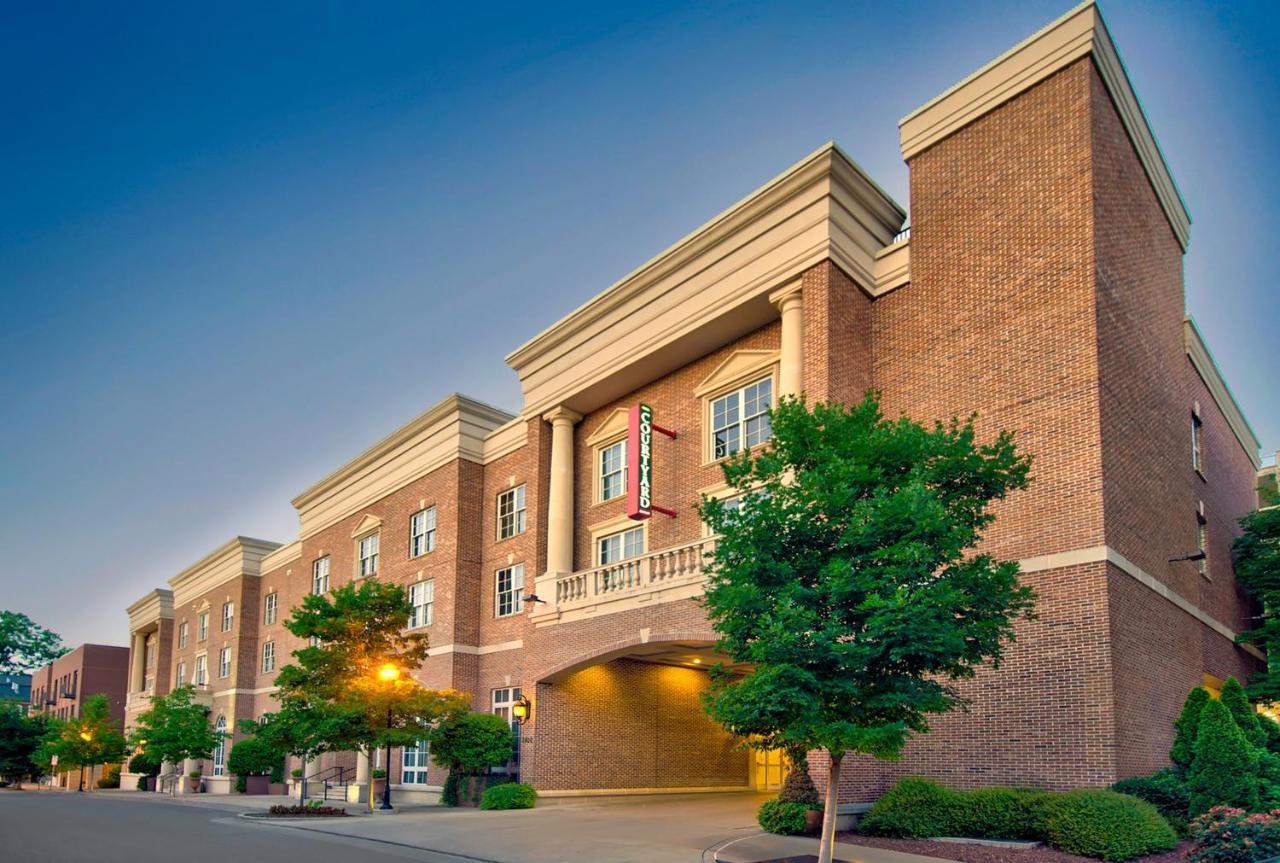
[1257,564]
[91,738]
[174,728]
[846,580]
[351,689]
[20,739]
[24,645]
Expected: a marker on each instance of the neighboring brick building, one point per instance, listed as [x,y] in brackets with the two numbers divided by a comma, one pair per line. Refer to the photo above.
[1040,285]
[60,688]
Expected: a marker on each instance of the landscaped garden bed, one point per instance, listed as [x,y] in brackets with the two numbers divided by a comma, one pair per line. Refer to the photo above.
[988,854]
[306,811]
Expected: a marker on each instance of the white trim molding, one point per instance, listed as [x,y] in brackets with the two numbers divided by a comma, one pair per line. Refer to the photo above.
[1079,33]
[1200,356]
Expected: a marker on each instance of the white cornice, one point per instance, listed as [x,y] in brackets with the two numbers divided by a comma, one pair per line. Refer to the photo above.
[238,556]
[1079,33]
[282,555]
[506,439]
[1207,368]
[152,607]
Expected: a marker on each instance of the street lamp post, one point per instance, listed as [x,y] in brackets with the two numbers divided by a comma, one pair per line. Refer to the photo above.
[86,736]
[390,673]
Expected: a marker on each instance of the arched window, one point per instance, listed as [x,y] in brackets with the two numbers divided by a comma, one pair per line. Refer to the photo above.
[220,751]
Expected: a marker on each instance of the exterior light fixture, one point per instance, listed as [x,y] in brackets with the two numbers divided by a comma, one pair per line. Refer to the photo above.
[86,736]
[521,709]
[389,672]
[697,661]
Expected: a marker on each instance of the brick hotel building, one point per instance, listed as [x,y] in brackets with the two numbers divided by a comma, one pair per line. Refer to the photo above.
[1040,285]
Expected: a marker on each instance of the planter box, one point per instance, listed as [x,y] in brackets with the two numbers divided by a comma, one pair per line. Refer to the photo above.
[151,783]
[195,786]
[277,789]
[257,784]
[376,786]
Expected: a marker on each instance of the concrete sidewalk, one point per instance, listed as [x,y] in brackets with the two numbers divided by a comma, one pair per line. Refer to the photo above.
[766,846]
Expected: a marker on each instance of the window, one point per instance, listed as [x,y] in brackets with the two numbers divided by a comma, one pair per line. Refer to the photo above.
[422,597]
[268,656]
[413,764]
[220,751]
[1202,544]
[509,598]
[620,546]
[182,634]
[511,512]
[422,532]
[1197,438]
[502,700]
[740,418]
[368,555]
[182,674]
[228,615]
[613,470]
[320,576]
[224,662]
[202,626]
[269,606]
[200,679]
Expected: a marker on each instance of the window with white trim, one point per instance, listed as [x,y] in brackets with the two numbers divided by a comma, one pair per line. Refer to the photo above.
[228,615]
[269,608]
[422,597]
[202,626]
[741,418]
[220,751]
[509,595]
[1197,442]
[1202,544]
[502,701]
[368,555]
[613,470]
[224,662]
[413,763]
[620,546]
[181,677]
[320,575]
[182,634]
[201,677]
[268,656]
[511,512]
[422,532]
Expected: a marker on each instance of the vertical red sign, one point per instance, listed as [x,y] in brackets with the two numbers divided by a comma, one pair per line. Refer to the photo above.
[640,462]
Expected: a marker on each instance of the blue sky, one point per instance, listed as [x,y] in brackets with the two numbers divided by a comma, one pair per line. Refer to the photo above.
[236,249]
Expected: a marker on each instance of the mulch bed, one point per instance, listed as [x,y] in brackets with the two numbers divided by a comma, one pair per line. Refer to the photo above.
[988,854]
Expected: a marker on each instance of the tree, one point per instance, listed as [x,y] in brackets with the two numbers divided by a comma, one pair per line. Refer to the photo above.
[175,728]
[351,688]
[1257,564]
[20,739]
[1224,771]
[1233,696]
[1186,726]
[468,745]
[846,581]
[88,739]
[24,645]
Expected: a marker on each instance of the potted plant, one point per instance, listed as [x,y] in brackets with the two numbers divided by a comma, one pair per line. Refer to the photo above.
[296,781]
[193,780]
[379,783]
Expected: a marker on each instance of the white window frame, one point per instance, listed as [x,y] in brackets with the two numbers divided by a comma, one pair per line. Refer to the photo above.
[180,675]
[611,475]
[1197,443]
[511,522]
[629,543]
[182,634]
[422,596]
[501,701]
[1202,544]
[220,751]
[735,401]
[201,675]
[415,763]
[228,616]
[514,592]
[224,663]
[422,532]
[367,555]
[202,627]
[270,608]
[320,575]
[268,657]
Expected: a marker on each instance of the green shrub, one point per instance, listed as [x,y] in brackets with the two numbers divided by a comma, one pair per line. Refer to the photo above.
[1103,824]
[509,795]
[143,764]
[1270,733]
[1186,726]
[914,808]
[1268,780]
[449,794]
[1166,791]
[1242,711]
[798,787]
[1226,835]
[252,756]
[110,777]
[1225,767]
[472,742]
[242,783]
[994,813]
[779,816]
[142,783]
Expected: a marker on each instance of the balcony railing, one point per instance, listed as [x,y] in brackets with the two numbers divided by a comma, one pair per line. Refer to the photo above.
[669,567]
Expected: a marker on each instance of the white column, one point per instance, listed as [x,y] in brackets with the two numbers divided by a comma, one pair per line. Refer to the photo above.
[138,675]
[362,777]
[790,303]
[559,500]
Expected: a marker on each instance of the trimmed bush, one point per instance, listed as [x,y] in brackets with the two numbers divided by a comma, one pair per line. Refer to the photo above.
[252,756]
[1103,824]
[110,777]
[1270,733]
[1224,769]
[1242,711]
[915,808]
[1166,791]
[798,787]
[995,813]
[779,816]
[1268,780]
[1186,726]
[510,795]
[449,794]
[1227,835]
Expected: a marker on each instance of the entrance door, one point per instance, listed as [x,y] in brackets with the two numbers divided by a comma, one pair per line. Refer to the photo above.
[769,769]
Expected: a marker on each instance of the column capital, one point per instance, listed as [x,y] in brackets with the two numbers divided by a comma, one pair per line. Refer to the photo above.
[787,296]
[561,415]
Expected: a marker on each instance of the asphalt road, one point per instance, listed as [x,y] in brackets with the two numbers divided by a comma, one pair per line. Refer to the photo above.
[55,827]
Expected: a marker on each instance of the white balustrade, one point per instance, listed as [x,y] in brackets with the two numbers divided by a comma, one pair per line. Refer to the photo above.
[652,571]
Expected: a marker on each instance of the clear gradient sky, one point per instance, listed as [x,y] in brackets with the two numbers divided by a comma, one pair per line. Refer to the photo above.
[241,243]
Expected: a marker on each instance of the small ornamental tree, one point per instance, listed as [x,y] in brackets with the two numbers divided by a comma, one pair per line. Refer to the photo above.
[24,645]
[1233,696]
[175,728]
[469,744]
[847,581]
[20,739]
[90,738]
[1224,769]
[1185,728]
[1257,564]
[253,756]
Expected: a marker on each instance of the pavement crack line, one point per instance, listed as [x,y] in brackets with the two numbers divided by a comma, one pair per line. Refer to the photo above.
[455,854]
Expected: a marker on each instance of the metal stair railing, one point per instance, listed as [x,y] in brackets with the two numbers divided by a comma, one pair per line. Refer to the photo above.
[332,777]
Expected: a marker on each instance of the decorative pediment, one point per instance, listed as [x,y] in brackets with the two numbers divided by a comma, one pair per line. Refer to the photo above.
[614,425]
[739,368]
[367,525]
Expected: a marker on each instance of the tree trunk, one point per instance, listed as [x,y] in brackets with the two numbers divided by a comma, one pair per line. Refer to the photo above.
[826,848]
